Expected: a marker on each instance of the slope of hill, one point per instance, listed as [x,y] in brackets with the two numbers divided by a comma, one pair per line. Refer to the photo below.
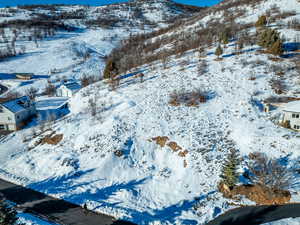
[135,154]
[69,41]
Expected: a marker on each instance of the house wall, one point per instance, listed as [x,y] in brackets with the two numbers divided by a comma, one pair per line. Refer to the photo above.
[293,121]
[7,118]
[63,92]
[14,121]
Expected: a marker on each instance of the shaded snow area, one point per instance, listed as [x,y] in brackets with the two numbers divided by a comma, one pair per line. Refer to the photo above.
[28,219]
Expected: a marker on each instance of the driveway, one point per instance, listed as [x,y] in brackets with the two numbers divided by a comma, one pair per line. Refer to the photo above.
[52,209]
[253,215]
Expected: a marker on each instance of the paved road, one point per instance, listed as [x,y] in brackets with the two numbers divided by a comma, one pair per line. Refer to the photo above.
[52,209]
[253,215]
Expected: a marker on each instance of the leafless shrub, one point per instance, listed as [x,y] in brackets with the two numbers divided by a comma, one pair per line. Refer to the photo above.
[269,172]
[294,24]
[278,69]
[114,83]
[190,99]
[50,89]
[92,106]
[244,62]
[202,67]
[87,80]
[296,61]
[31,92]
[278,86]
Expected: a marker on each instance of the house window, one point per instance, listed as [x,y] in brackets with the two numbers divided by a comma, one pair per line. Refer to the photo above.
[8,118]
[2,127]
[1,109]
[296,127]
[295,115]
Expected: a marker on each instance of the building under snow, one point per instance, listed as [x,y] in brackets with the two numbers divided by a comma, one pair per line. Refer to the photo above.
[291,115]
[68,89]
[16,112]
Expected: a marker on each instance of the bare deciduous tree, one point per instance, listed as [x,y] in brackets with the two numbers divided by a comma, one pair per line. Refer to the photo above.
[92,107]
[269,172]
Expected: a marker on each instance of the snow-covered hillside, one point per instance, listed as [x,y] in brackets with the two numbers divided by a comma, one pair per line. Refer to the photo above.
[140,158]
[92,32]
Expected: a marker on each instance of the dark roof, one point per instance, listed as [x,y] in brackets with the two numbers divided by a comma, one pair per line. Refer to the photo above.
[73,86]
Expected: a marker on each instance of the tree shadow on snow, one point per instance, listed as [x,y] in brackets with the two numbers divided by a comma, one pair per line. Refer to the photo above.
[62,184]
[102,194]
[167,214]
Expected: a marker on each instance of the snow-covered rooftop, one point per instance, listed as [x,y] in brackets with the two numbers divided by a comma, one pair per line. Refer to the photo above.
[16,105]
[73,86]
[46,103]
[292,106]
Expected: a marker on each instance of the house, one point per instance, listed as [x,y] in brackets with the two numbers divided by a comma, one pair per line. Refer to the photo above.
[24,76]
[291,115]
[16,112]
[68,89]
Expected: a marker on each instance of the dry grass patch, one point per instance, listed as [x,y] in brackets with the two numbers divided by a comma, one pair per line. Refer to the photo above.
[52,140]
[260,194]
[189,99]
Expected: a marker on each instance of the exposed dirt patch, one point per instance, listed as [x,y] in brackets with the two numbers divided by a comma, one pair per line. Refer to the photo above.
[183,153]
[161,141]
[260,194]
[52,140]
[174,146]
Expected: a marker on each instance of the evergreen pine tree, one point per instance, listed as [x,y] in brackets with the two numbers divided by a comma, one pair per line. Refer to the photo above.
[229,173]
[110,69]
[224,37]
[276,48]
[8,215]
[271,40]
[262,21]
[219,51]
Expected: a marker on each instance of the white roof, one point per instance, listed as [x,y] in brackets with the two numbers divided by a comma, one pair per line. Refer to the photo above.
[293,106]
[46,103]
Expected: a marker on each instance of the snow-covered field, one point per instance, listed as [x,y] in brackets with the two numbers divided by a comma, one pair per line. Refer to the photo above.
[149,184]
